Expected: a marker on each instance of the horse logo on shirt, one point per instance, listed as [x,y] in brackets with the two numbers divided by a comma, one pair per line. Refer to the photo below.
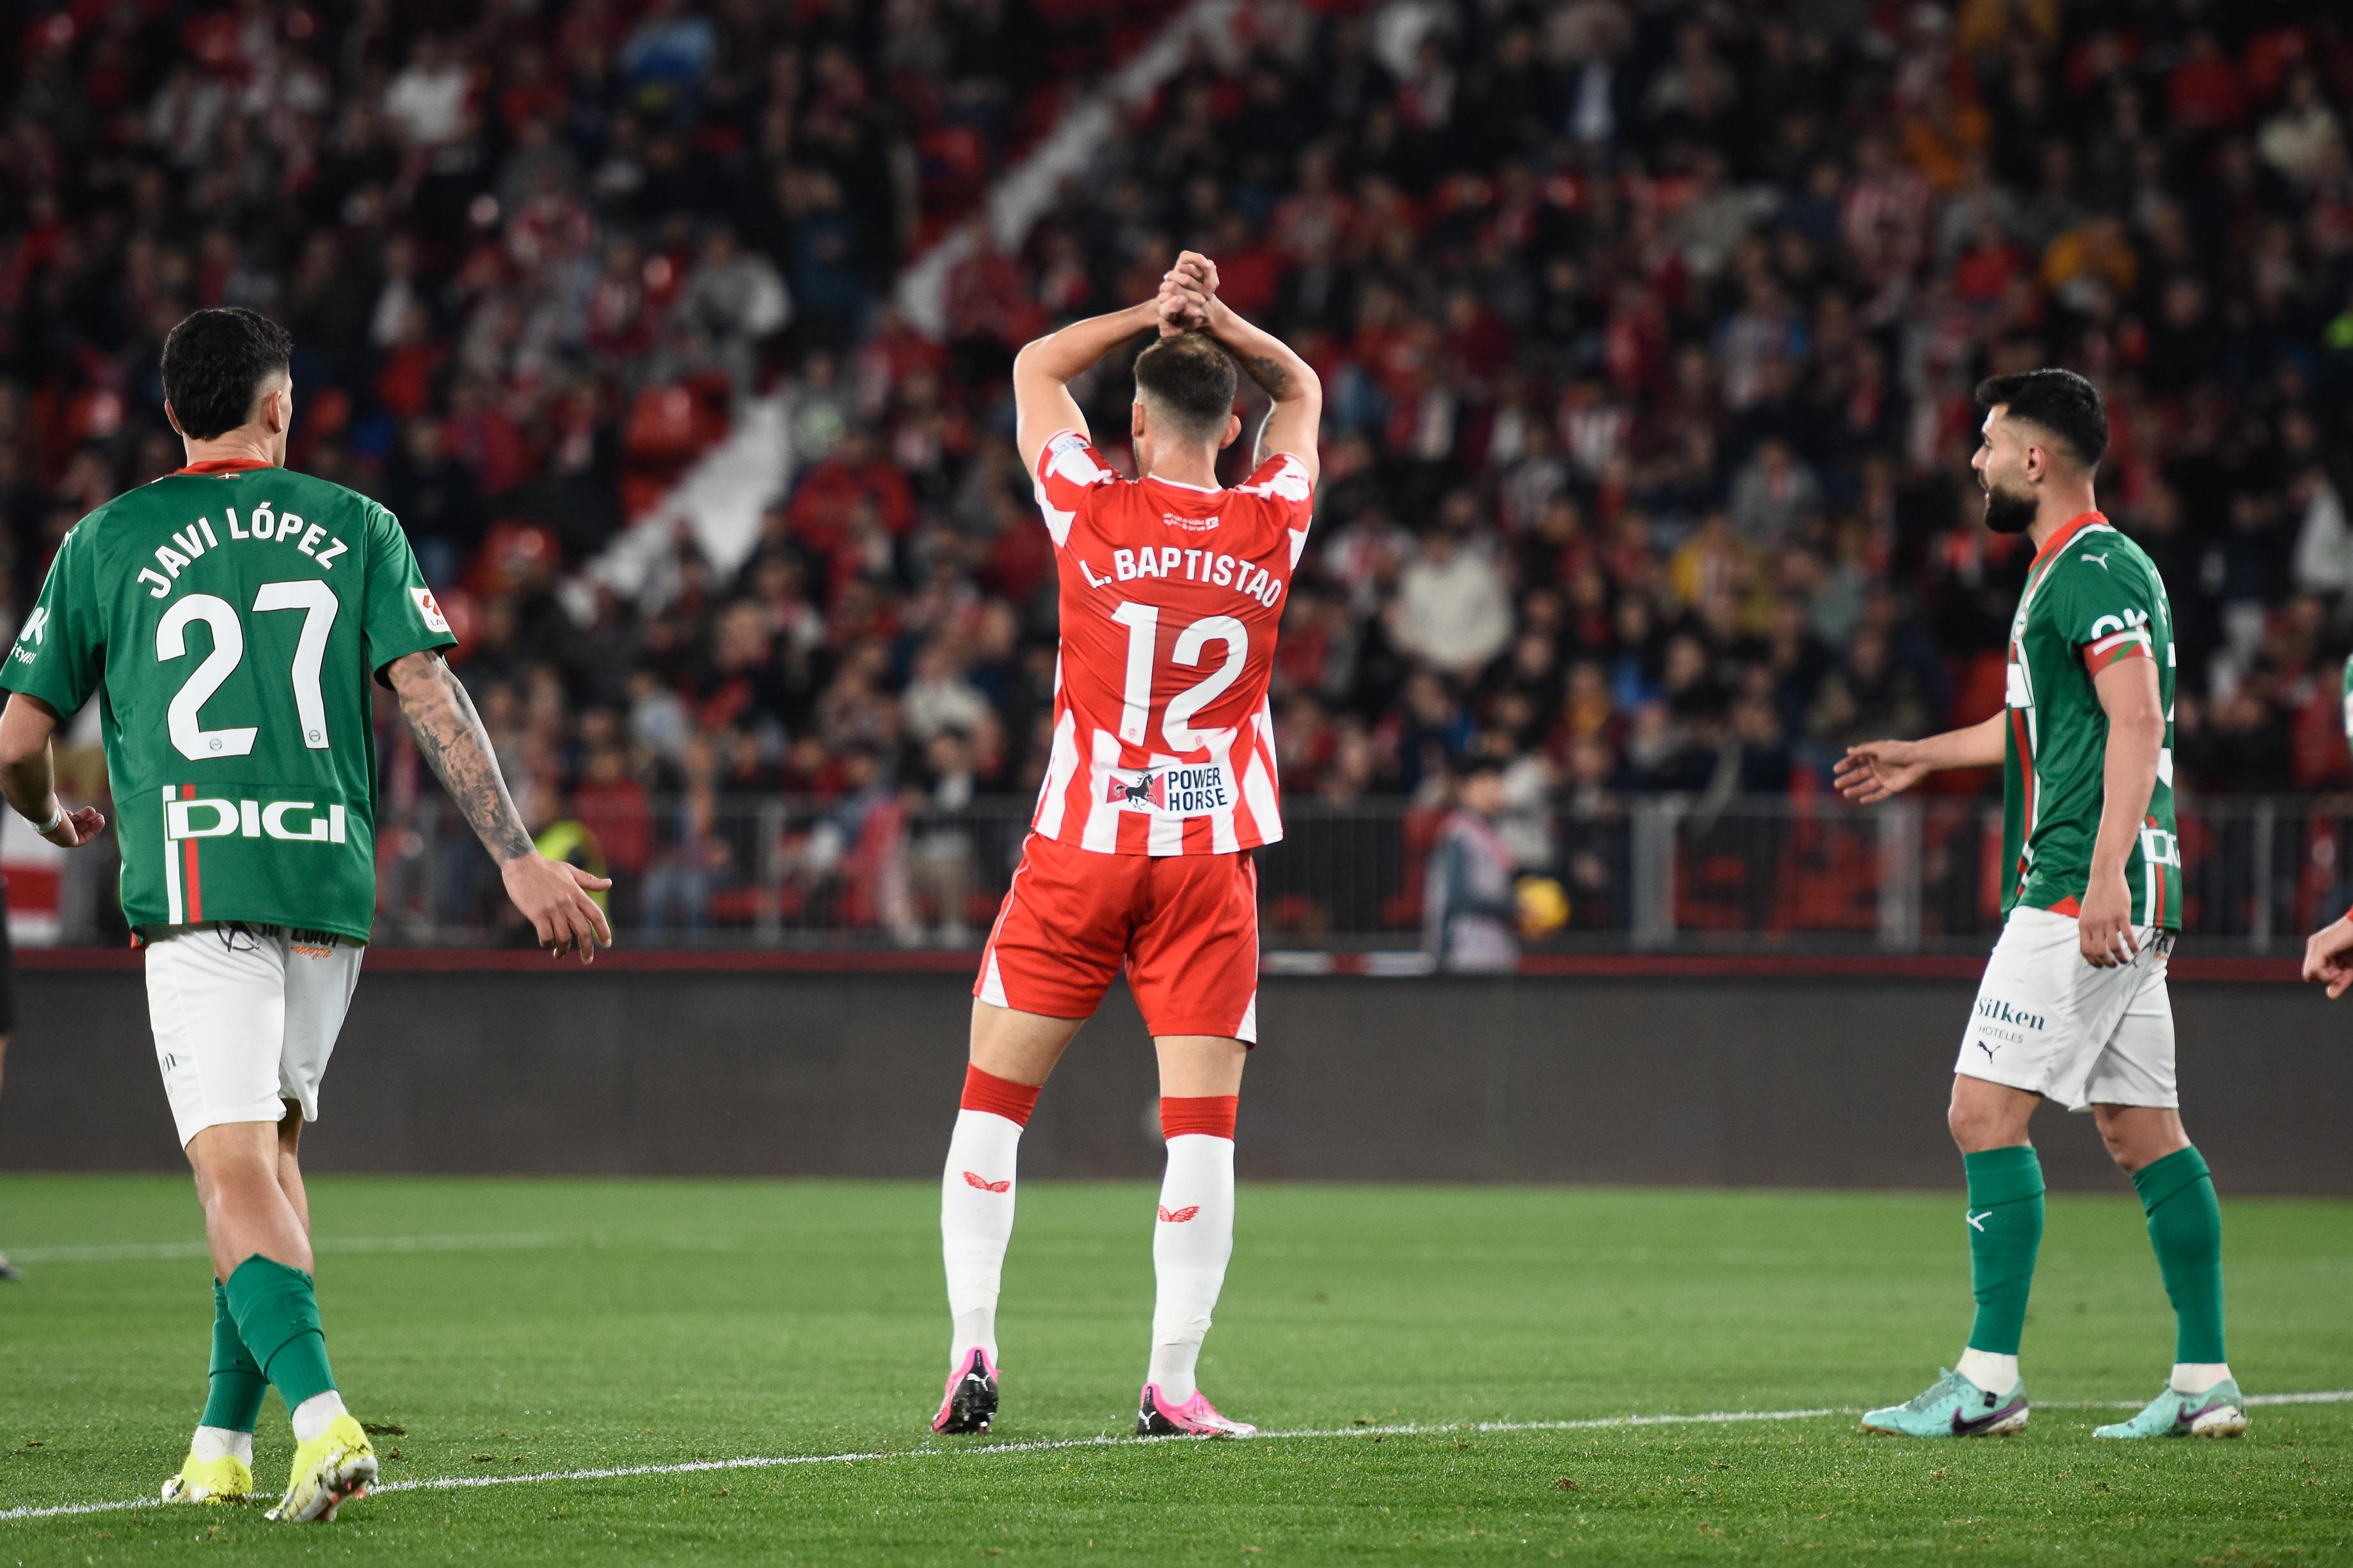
[1148,789]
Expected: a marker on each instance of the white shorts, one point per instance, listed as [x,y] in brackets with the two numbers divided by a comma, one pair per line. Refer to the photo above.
[245,1019]
[2049,1022]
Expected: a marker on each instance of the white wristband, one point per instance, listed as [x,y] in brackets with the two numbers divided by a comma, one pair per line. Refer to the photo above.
[56,821]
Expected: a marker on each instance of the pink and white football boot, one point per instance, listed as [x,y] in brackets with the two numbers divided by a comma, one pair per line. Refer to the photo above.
[970,1403]
[1155,1417]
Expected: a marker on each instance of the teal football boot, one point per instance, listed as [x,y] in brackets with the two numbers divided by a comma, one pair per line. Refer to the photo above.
[2220,1412]
[1953,1407]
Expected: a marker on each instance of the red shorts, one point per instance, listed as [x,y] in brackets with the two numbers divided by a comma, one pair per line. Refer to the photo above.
[1186,926]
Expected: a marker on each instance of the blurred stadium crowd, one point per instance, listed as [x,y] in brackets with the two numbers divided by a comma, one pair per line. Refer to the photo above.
[1647,329]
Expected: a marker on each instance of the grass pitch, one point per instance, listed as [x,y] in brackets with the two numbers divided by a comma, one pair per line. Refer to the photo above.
[513,1328]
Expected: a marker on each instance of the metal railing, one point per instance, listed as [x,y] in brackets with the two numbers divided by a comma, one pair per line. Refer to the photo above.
[1642,873]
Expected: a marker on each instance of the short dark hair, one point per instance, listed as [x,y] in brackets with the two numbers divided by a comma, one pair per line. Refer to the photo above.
[1189,379]
[213,364]
[2058,400]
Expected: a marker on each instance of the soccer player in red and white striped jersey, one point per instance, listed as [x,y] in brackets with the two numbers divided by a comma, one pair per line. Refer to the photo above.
[1161,781]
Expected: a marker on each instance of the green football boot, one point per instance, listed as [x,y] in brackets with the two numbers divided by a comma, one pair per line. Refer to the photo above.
[1953,1407]
[2220,1412]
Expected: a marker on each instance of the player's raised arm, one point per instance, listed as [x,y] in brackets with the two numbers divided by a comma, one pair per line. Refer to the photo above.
[1044,369]
[28,775]
[1875,770]
[1293,424]
[552,895]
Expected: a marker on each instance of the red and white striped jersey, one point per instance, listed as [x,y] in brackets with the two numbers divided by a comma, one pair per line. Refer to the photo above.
[1164,740]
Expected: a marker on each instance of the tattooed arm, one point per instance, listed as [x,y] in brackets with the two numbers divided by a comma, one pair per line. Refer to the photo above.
[552,895]
[450,736]
[1298,396]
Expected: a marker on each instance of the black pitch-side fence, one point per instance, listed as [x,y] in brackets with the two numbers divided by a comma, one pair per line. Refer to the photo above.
[1658,874]
[1644,874]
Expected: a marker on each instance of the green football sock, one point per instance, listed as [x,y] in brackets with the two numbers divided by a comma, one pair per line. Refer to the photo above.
[2005,1221]
[2185,1225]
[277,1313]
[234,1403]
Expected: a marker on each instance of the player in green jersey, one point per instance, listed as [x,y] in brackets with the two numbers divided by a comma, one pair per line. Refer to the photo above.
[2074,1006]
[228,618]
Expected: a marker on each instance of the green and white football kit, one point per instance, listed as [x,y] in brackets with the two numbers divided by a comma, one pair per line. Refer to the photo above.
[2045,1020]
[228,617]
[2049,1022]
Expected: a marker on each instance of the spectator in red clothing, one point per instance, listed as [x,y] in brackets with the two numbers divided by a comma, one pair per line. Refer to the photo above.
[1249,269]
[613,805]
[988,309]
[485,436]
[856,470]
[2204,92]
[1982,273]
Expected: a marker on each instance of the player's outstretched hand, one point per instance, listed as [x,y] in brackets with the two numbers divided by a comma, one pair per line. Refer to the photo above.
[2324,956]
[78,829]
[554,898]
[1878,769]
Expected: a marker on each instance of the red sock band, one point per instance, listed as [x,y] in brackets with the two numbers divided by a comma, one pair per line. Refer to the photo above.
[1211,1113]
[998,1096]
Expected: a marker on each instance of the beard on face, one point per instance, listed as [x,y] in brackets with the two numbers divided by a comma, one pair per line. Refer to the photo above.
[2006,513]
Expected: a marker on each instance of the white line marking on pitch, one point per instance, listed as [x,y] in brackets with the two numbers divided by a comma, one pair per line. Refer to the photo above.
[1049,1444]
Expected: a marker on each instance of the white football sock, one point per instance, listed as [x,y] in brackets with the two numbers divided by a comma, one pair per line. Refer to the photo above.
[2198,1376]
[1191,1243]
[975,1222]
[1997,1375]
[212,1443]
[315,1415]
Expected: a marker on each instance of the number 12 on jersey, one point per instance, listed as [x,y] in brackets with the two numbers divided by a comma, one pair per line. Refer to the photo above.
[1143,624]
